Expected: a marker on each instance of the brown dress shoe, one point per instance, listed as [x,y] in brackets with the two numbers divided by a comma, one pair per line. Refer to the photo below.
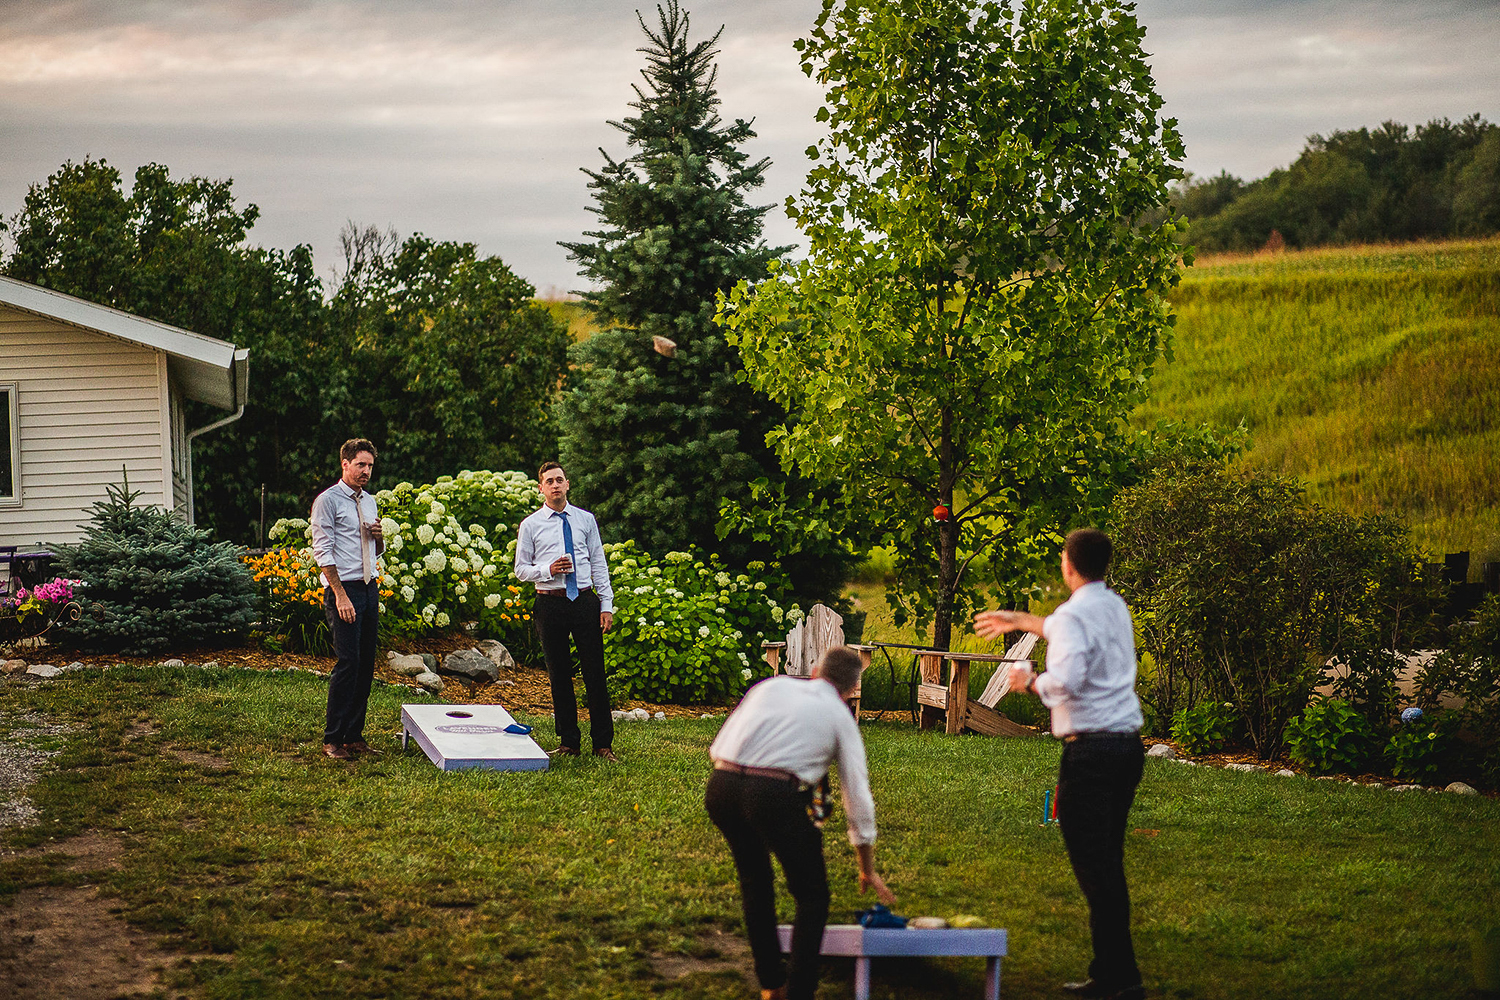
[363,747]
[779,993]
[607,754]
[336,751]
[563,752]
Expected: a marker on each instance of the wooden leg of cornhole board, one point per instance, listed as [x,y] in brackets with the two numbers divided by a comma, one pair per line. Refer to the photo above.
[992,978]
[861,978]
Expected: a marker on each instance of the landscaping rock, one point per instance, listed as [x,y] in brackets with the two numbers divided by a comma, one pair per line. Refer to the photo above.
[498,654]
[1375,784]
[75,665]
[1163,750]
[1240,767]
[46,670]
[1286,772]
[639,714]
[431,660]
[470,664]
[407,666]
[1459,788]
[659,715]
[173,663]
[431,682]
[617,715]
[13,667]
[210,663]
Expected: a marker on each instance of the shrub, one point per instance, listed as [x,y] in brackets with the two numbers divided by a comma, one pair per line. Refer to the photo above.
[686,630]
[1330,736]
[1205,727]
[1243,590]
[1421,750]
[1469,669]
[450,559]
[153,582]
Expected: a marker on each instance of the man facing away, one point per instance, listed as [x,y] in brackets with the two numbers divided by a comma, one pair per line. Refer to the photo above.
[558,549]
[347,543]
[774,749]
[1089,685]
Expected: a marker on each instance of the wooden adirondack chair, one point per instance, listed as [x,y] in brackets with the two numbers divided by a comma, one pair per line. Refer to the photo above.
[821,630]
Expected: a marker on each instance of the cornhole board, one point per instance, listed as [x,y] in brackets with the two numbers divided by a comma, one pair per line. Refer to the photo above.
[462,736]
[863,944]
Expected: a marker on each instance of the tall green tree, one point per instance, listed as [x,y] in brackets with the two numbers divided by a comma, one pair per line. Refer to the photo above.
[457,365]
[979,309]
[657,442]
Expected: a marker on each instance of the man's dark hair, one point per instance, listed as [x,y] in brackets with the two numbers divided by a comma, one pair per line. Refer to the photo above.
[354,446]
[1089,550]
[548,467]
[842,666]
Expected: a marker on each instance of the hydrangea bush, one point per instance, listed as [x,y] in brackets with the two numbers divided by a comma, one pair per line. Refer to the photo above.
[686,629]
[450,557]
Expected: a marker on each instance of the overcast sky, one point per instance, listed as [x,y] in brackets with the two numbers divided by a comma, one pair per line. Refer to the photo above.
[469,121]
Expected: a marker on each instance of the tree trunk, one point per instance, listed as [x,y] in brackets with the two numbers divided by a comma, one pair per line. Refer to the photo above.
[942,625]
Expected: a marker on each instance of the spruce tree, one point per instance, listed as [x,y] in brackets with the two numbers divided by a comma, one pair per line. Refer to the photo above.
[655,442]
[153,582]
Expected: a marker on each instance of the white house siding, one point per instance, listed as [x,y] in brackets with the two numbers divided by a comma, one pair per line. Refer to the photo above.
[87,405]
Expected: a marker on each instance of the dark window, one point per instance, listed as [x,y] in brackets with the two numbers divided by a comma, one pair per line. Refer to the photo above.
[8,464]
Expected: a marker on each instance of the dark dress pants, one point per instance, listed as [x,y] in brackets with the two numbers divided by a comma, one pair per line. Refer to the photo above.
[354,645]
[557,619]
[760,817]
[1095,788]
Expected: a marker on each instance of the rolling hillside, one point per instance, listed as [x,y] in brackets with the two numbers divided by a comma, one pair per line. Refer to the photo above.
[1371,373]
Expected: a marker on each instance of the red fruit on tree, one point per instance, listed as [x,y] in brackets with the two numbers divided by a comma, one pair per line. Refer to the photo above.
[940,513]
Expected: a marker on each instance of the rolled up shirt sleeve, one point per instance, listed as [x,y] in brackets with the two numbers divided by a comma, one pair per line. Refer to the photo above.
[321,521]
[526,570]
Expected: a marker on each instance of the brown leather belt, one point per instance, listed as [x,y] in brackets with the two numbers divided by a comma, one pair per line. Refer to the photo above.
[564,590]
[1103,735]
[774,773]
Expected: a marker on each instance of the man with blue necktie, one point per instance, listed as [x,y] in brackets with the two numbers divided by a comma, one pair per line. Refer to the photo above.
[559,550]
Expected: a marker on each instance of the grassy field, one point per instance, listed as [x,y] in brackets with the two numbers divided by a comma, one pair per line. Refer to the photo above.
[277,873]
[581,325]
[1372,374]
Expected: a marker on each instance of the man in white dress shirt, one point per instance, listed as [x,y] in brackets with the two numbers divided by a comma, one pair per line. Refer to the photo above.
[559,550]
[347,543]
[1089,686]
[773,751]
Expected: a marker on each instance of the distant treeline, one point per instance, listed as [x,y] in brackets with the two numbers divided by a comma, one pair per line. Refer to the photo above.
[1392,183]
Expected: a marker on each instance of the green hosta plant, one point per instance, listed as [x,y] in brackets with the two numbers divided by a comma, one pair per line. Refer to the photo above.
[1330,736]
[1205,727]
[686,629]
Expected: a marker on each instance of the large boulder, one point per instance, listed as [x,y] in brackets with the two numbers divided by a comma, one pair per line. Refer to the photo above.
[432,682]
[498,654]
[470,664]
[13,666]
[407,664]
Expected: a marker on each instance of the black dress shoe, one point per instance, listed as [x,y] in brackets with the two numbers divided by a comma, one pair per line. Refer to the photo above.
[1097,990]
[563,752]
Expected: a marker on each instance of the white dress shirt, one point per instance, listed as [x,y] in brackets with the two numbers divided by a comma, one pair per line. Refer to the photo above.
[539,543]
[339,538]
[800,725]
[1089,683]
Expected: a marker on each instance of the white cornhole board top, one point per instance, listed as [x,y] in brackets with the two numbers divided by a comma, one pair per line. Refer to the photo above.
[460,736]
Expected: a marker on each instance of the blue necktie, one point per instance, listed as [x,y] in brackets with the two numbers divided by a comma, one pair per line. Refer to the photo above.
[570,579]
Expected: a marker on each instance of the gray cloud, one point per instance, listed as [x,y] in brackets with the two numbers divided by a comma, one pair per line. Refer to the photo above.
[469,121]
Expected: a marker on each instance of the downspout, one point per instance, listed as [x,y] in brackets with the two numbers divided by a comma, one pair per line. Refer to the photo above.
[193,434]
[237,374]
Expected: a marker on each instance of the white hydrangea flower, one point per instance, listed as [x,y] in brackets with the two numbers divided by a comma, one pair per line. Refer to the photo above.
[777,615]
[745,674]
[744,659]
[760,585]
[654,571]
[492,600]
[438,508]
[442,619]
[408,594]
[660,623]
[435,561]
[425,534]
[428,613]
[381,606]
[434,518]
[643,589]
[703,631]
[461,587]
[720,611]
[721,578]
[396,544]
[389,526]
[441,539]
[477,530]
[463,599]
[488,571]
[408,580]
[464,538]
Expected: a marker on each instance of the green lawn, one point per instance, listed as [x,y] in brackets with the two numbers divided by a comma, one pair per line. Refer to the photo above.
[288,875]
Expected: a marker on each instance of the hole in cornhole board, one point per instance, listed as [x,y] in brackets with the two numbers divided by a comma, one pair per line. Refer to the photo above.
[471,736]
